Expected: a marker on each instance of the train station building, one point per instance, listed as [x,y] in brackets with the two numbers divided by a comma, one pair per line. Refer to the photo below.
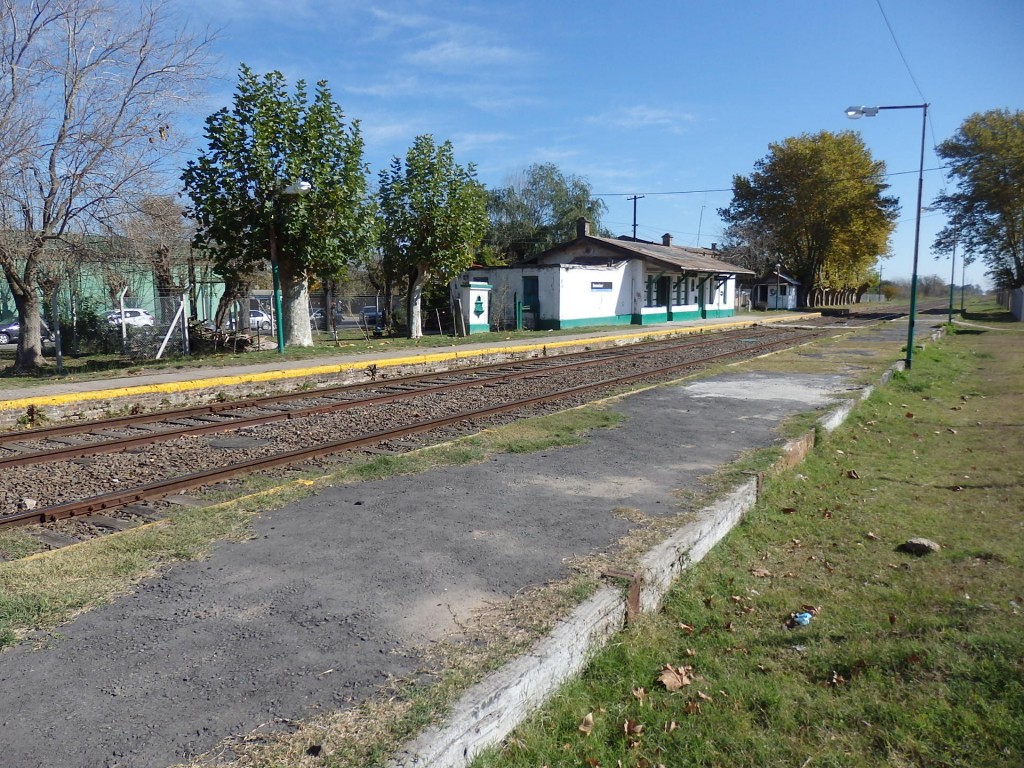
[595,280]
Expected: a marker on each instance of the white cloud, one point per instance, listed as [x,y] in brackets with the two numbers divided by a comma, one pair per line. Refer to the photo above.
[458,54]
[642,116]
[466,142]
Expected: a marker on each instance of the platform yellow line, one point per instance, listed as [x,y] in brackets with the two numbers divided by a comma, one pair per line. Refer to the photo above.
[173,387]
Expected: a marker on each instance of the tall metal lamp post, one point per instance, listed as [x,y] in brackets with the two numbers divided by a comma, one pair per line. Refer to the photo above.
[298,189]
[855,113]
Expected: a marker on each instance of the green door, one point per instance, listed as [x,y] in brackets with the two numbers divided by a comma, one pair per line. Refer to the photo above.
[531,302]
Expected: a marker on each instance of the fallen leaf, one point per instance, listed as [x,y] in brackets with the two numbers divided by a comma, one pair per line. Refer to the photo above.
[671,726]
[761,573]
[788,510]
[852,474]
[909,415]
[632,727]
[703,696]
[687,628]
[674,678]
[892,618]
[692,708]
[951,430]
[640,694]
[736,598]
[872,536]
[836,679]
[588,724]
[826,515]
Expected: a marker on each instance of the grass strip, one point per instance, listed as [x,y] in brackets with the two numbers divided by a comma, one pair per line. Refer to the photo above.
[904,661]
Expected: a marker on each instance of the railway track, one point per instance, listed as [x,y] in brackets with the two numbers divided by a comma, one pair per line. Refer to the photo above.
[117,464]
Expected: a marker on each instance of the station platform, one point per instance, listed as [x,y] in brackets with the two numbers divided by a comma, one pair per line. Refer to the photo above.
[184,377]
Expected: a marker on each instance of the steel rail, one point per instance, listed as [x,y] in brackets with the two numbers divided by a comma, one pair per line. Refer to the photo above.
[119,444]
[161,488]
[215,409]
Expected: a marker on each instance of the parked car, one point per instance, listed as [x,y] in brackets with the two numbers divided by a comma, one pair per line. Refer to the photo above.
[371,318]
[258,320]
[140,318]
[318,320]
[10,331]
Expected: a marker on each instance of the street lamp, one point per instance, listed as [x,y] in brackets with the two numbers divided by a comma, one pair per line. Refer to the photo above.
[778,284]
[298,189]
[855,113]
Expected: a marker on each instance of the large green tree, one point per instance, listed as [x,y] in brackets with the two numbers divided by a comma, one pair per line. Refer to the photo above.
[268,142]
[536,210]
[433,218]
[986,210]
[818,199]
[88,91]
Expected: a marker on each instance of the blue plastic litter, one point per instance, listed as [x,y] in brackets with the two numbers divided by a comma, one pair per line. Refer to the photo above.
[803,619]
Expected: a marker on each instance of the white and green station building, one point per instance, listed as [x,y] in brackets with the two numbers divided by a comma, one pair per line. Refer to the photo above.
[600,281]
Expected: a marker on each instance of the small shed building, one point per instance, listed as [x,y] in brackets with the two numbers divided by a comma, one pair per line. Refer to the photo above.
[776,290]
[602,281]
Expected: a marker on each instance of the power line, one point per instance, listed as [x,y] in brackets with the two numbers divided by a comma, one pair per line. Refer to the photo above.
[730,189]
[899,49]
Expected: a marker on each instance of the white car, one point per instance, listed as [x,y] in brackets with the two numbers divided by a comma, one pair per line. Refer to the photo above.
[132,316]
[258,320]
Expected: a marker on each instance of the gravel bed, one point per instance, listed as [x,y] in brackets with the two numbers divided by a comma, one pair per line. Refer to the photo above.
[60,482]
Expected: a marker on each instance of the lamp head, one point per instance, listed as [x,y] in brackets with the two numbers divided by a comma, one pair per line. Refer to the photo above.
[855,113]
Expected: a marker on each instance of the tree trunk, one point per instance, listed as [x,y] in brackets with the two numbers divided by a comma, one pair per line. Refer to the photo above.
[30,341]
[295,304]
[416,282]
[29,355]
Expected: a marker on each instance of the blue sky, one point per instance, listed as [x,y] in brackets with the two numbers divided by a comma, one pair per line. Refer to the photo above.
[663,99]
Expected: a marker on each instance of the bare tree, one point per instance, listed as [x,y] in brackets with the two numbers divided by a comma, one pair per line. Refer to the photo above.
[88,90]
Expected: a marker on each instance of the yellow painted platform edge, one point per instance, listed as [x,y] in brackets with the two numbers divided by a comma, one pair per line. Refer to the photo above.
[250,378]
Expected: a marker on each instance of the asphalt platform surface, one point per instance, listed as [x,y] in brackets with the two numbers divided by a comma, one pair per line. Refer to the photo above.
[336,592]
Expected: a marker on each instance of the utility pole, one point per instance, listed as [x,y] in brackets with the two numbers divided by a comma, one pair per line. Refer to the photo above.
[634,198]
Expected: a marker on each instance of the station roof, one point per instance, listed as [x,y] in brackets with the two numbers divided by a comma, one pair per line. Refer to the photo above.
[591,249]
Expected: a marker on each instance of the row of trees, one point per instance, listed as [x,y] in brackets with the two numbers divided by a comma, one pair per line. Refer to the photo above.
[425,223]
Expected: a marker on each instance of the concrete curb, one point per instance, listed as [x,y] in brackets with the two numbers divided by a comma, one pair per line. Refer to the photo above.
[492,709]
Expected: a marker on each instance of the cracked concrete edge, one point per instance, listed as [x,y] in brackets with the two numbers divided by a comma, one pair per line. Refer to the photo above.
[493,708]
[490,710]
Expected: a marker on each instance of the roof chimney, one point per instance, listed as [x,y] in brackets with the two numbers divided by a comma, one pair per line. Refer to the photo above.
[582,227]
[666,239]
